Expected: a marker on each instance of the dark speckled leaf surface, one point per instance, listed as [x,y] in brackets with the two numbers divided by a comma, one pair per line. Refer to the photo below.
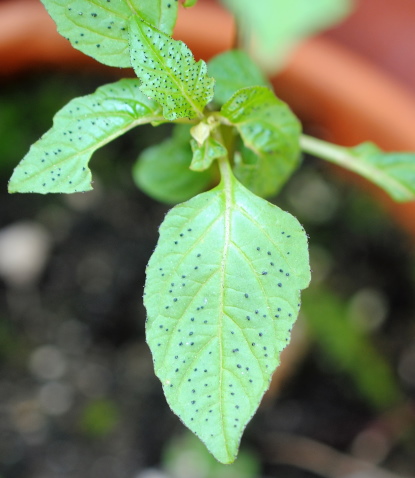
[99,28]
[169,73]
[222,293]
[58,161]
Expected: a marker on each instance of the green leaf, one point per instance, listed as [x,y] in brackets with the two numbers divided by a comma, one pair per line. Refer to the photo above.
[58,161]
[232,71]
[274,26]
[222,293]
[169,72]
[393,172]
[205,154]
[99,28]
[271,131]
[189,3]
[349,349]
[162,171]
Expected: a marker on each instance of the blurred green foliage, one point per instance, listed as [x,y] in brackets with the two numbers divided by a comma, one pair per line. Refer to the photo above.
[187,457]
[348,349]
[99,418]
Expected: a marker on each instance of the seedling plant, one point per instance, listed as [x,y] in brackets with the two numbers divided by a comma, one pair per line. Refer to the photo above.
[223,284]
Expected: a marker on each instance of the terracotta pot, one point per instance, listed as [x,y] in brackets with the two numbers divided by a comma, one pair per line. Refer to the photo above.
[350,101]
[28,36]
[383,32]
[347,98]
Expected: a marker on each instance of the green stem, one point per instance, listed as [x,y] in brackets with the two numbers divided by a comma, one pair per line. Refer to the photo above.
[223,161]
[328,151]
[341,156]
[361,164]
[225,171]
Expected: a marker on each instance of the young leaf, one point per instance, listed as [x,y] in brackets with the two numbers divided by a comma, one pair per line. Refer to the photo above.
[99,28]
[201,131]
[274,26]
[205,154]
[58,161]
[169,72]
[232,71]
[162,171]
[393,172]
[271,131]
[222,293]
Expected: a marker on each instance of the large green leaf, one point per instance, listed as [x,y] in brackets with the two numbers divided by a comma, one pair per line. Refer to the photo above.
[169,73]
[273,26]
[162,171]
[393,172]
[271,131]
[232,71]
[58,161]
[99,28]
[222,293]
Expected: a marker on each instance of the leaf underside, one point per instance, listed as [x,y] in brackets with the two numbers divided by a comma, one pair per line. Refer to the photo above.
[99,28]
[58,161]
[222,293]
[169,73]
[271,132]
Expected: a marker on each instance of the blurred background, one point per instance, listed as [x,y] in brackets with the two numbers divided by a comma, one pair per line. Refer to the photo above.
[78,396]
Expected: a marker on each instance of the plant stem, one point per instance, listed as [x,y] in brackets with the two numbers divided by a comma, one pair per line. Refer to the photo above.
[225,171]
[341,156]
[223,161]
[328,151]
[360,163]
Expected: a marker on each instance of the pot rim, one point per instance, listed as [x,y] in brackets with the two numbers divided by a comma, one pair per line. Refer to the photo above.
[350,99]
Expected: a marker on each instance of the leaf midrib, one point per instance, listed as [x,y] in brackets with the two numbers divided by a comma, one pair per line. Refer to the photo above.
[228,201]
[168,72]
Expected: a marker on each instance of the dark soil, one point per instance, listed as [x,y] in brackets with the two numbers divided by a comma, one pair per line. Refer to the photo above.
[78,397]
